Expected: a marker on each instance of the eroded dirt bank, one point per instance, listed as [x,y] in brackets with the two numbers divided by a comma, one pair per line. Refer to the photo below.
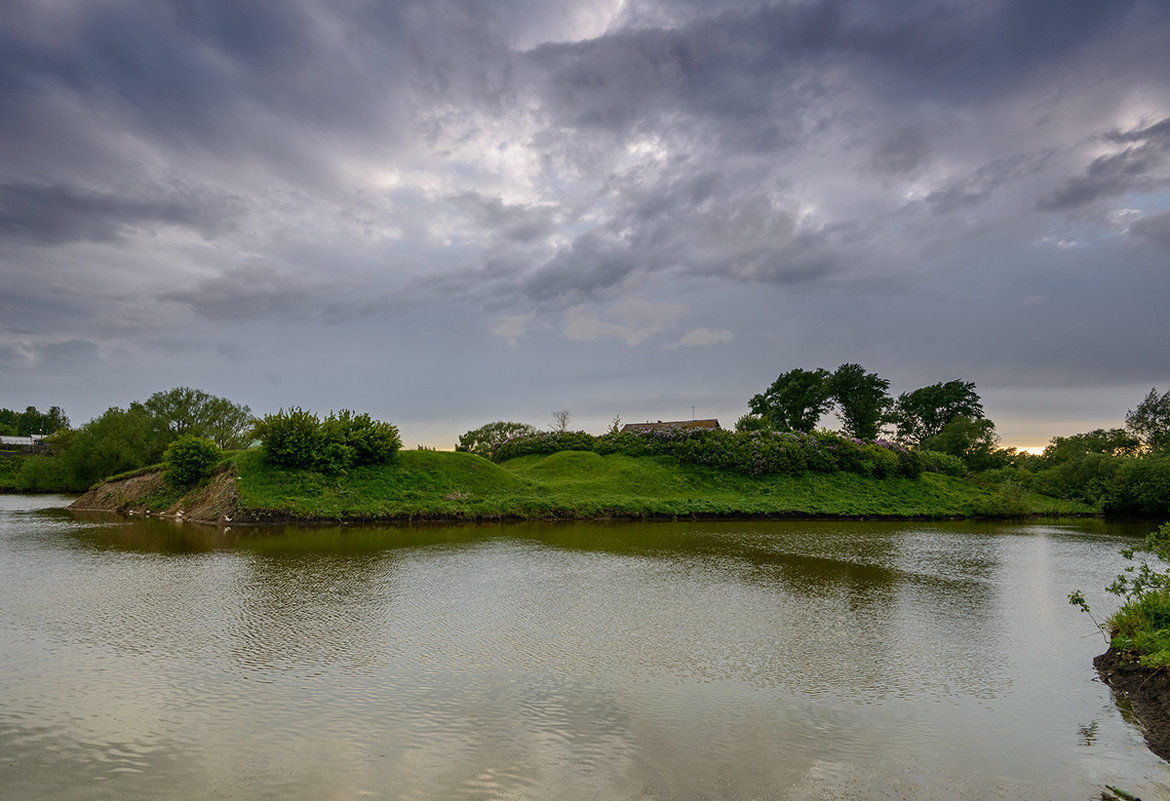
[217,501]
[1148,692]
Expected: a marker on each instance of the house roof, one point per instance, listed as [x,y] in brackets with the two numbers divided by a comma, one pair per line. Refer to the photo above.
[673,425]
[26,442]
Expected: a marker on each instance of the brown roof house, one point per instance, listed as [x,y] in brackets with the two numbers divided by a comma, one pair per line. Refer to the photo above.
[674,425]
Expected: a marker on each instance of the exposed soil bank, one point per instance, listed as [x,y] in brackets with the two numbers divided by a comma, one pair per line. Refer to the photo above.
[1148,692]
[217,501]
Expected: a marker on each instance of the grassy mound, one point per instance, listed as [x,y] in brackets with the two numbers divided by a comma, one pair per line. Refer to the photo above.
[429,484]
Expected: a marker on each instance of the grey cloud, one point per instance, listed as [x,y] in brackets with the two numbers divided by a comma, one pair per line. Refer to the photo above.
[519,223]
[11,356]
[57,213]
[70,353]
[1155,228]
[1134,168]
[593,264]
[969,190]
[255,291]
[900,154]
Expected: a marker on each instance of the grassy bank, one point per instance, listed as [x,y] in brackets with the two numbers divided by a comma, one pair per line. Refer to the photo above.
[429,484]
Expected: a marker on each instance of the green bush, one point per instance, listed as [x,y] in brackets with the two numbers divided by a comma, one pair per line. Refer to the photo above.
[756,453]
[360,439]
[944,463]
[1142,624]
[290,439]
[1119,484]
[190,459]
[296,438]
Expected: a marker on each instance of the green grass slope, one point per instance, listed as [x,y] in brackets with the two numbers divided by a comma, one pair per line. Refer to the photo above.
[429,484]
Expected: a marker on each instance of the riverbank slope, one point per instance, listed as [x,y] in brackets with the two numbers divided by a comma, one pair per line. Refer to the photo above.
[1147,691]
[430,485]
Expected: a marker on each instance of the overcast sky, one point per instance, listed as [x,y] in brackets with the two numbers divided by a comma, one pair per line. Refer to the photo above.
[445,213]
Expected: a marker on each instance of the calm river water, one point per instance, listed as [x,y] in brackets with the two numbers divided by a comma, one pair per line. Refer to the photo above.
[153,660]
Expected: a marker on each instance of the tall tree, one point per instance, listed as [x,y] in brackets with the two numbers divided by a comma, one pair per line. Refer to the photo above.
[1150,421]
[923,413]
[184,410]
[862,398]
[796,400]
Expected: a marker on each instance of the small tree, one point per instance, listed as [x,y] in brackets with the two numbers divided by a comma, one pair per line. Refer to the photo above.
[795,401]
[561,420]
[1150,421]
[483,440]
[190,459]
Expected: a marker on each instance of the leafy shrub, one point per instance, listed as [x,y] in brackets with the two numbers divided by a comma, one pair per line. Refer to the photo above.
[1139,486]
[758,453]
[359,439]
[41,474]
[1142,623]
[291,439]
[944,463]
[296,438]
[190,459]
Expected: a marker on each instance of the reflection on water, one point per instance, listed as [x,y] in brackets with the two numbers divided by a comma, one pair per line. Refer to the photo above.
[152,659]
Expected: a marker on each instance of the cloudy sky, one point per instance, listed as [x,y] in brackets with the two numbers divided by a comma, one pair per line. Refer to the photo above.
[448,212]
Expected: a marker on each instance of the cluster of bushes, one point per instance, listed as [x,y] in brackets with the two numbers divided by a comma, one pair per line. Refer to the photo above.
[1138,485]
[756,453]
[34,473]
[297,438]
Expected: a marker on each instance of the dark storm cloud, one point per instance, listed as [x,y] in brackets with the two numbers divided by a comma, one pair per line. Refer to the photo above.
[259,292]
[595,263]
[57,214]
[1139,167]
[785,179]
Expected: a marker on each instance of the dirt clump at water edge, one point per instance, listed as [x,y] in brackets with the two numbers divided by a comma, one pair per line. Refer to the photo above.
[1147,690]
[217,501]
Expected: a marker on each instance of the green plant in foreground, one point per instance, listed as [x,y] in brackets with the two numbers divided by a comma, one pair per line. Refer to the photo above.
[1142,623]
[190,459]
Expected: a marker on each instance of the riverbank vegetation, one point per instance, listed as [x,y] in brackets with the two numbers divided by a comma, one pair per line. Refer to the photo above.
[1140,628]
[422,485]
[935,432]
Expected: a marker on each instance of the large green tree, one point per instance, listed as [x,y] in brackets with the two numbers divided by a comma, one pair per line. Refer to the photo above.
[184,410]
[1111,441]
[484,439]
[972,439]
[32,421]
[923,413]
[862,399]
[117,441]
[1150,421]
[796,400]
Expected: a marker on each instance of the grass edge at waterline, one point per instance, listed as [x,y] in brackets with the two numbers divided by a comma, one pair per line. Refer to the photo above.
[441,485]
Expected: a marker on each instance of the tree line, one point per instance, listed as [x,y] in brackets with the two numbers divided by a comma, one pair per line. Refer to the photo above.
[124,439]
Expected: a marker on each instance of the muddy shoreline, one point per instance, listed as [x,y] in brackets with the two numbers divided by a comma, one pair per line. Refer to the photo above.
[1146,691]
